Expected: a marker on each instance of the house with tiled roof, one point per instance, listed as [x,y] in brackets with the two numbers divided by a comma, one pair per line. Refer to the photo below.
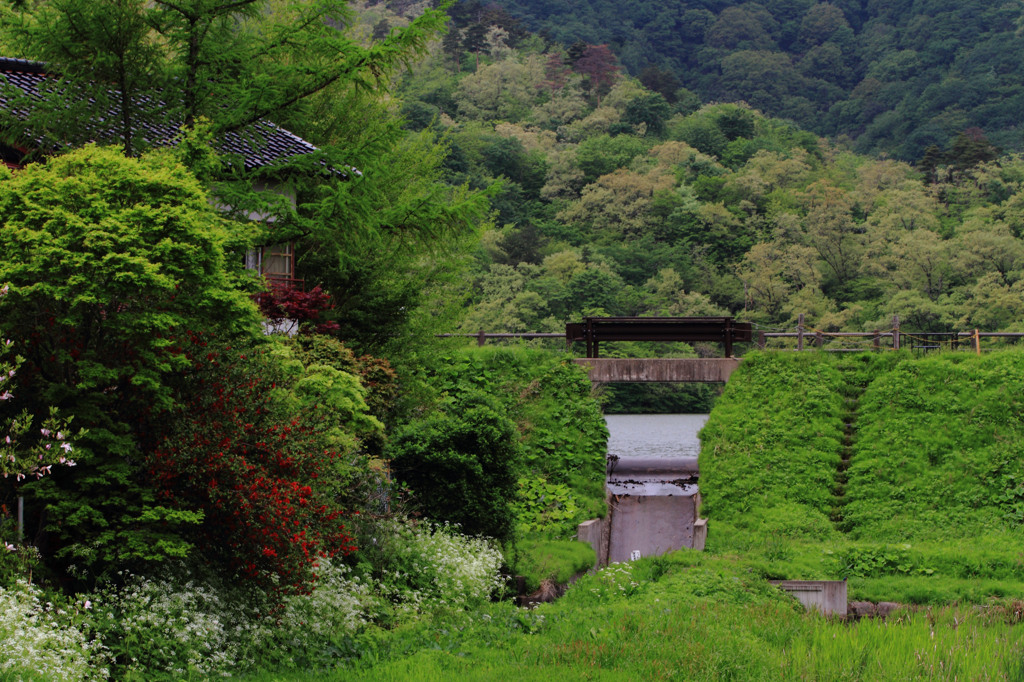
[261,146]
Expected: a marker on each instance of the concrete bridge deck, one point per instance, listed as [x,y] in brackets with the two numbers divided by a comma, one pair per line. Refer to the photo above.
[642,370]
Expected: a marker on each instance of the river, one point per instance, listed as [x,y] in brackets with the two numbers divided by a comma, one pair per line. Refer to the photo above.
[654,435]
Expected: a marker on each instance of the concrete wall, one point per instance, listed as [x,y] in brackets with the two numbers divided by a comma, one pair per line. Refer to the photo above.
[630,370]
[595,532]
[826,596]
[650,525]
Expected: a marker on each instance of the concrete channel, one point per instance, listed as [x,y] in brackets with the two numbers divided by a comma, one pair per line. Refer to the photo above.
[653,508]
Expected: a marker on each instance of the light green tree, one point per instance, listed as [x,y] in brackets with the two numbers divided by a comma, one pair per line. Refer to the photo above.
[111,263]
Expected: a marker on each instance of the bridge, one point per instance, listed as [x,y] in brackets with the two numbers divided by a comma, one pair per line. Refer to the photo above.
[597,331]
[594,331]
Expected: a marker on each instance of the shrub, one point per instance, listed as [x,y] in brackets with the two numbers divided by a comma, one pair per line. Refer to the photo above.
[425,567]
[43,641]
[461,463]
[172,629]
[264,450]
[108,258]
[560,428]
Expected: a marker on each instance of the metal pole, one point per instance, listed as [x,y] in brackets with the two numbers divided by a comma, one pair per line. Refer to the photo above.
[21,519]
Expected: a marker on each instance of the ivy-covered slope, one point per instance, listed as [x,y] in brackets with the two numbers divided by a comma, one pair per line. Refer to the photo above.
[939,450]
[902,474]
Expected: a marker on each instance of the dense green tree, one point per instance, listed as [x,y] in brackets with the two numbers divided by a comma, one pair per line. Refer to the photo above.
[661,81]
[651,110]
[603,154]
[748,27]
[111,261]
[461,464]
[934,61]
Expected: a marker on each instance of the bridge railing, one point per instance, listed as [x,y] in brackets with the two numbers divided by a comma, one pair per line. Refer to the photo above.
[809,338]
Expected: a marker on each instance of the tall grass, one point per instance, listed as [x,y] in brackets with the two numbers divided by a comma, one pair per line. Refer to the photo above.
[699,619]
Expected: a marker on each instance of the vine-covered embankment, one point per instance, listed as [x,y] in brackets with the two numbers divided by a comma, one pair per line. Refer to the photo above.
[901,474]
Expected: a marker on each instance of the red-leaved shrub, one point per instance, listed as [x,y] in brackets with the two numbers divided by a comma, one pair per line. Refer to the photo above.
[256,466]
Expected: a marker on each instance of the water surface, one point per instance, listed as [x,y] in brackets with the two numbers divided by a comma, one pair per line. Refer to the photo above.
[654,435]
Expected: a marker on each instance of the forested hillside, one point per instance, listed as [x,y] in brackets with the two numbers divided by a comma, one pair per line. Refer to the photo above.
[896,77]
[621,199]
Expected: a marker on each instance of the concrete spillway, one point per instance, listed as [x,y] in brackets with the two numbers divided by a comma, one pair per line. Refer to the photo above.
[653,508]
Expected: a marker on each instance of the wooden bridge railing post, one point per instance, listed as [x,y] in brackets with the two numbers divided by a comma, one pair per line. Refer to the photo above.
[895,332]
[481,338]
[877,340]
[800,332]
[761,341]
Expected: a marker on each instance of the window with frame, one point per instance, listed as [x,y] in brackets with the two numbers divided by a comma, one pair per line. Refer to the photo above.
[278,261]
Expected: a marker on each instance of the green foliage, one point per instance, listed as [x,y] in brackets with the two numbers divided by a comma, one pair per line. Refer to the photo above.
[377,378]
[651,110]
[23,452]
[558,453]
[925,511]
[461,463]
[869,72]
[603,154]
[110,260]
[554,560]
[757,215]
[235,63]
[938,442]
[659,398]
[540,504]
[223,67]
[773,436]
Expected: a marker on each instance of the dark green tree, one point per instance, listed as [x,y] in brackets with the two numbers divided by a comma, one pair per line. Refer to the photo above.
[661,81]
[461,465]
[971,148]
[652,110]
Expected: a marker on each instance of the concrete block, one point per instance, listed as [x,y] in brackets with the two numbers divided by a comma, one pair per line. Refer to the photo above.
[827,596]
[650,525]
[594,532]
[700,533]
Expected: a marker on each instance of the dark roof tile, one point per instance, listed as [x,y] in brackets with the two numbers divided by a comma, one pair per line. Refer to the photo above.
[260,145]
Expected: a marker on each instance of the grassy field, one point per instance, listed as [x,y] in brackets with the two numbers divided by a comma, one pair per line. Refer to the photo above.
[689,616]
